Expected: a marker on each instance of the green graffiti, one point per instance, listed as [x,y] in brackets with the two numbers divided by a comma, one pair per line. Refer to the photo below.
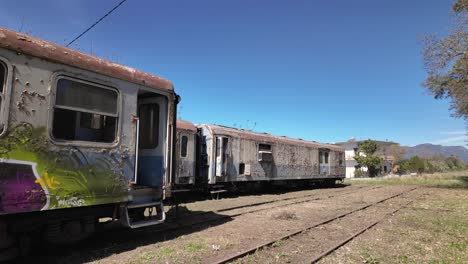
[70,181]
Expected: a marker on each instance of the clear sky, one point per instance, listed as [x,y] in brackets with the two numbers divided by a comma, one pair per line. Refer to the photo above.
[317,70]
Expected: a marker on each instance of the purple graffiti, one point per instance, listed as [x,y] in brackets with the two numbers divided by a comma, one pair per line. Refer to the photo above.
[19,191]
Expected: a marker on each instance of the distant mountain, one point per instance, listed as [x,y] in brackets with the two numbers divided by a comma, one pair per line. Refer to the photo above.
[429,150]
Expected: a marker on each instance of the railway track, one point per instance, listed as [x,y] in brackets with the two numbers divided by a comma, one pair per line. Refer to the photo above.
[322,223]
[273,201]
[191,220]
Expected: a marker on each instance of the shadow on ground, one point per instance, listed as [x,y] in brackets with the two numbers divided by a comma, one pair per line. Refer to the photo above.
[107,242]
[189,197]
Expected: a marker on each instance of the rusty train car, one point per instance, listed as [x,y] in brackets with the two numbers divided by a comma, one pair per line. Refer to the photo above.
[81,138]
[214,156]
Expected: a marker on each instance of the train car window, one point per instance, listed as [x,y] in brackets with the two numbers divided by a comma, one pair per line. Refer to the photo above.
[183,146]
[3,73]
[84,112]
[264,147]
[218,148]
[241,168]
[326,157]
[149,126]
[2,77]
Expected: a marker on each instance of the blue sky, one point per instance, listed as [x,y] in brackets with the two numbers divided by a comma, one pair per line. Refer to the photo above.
[317,70]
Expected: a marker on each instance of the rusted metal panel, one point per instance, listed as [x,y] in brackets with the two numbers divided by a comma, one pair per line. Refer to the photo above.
[186,126]
[23,43]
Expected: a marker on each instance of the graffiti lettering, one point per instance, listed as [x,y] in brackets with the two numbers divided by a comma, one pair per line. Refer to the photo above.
[74,201]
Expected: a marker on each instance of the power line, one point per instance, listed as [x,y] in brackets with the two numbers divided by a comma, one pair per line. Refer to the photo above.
[97,22]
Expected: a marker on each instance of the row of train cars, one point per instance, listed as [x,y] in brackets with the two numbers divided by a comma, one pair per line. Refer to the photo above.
[83,138]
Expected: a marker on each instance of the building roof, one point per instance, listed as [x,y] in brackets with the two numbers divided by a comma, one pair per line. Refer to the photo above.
[268,138]
[186,126]
[36,47]
[359,141]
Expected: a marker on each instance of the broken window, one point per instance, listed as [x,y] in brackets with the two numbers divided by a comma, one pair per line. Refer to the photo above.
[149,126]
[85,112]
[264,147]
[183,146]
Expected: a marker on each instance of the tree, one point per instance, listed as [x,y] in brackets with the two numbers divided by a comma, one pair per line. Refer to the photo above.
[365,157]
[446,62]
[416,164]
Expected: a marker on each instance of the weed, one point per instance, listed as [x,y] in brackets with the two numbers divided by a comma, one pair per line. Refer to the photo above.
[145,257]
[194,246]
[368,258]
[285,215]
[166,252]
[278,243]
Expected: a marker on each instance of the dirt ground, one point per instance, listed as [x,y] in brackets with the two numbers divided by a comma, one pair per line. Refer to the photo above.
[432,229]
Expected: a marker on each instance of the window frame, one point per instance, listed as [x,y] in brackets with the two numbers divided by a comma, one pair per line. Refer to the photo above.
[156,144]
[6,94]
[93,82]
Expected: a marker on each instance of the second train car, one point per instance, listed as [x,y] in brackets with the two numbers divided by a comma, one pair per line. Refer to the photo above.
[214,156]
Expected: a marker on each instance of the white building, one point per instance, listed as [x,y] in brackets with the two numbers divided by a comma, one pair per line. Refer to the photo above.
[351,146]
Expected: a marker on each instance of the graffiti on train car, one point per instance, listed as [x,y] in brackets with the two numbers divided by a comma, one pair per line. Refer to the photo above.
[35,178]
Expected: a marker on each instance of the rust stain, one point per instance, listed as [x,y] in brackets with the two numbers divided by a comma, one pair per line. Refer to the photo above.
[268,138]
[186,126]
[22,43]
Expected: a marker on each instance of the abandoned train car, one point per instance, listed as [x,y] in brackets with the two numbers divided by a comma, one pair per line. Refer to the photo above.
[81,138]
[228,156]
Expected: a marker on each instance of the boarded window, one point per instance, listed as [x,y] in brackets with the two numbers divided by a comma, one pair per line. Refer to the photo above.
[264,147]
[183,146]
[85,112]
[149,126]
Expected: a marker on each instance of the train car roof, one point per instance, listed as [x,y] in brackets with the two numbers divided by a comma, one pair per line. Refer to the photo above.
[186,126]
[267,138]
[36,47]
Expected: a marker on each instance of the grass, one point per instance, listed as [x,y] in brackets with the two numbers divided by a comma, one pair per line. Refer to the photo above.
[457,179]
[367,257]
[146,257]
[166,252]
[433,230]
[192,246]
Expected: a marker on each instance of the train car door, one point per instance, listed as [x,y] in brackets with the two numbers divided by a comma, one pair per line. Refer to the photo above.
[151,137]
[222,153]
[324,162]
[186,158]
